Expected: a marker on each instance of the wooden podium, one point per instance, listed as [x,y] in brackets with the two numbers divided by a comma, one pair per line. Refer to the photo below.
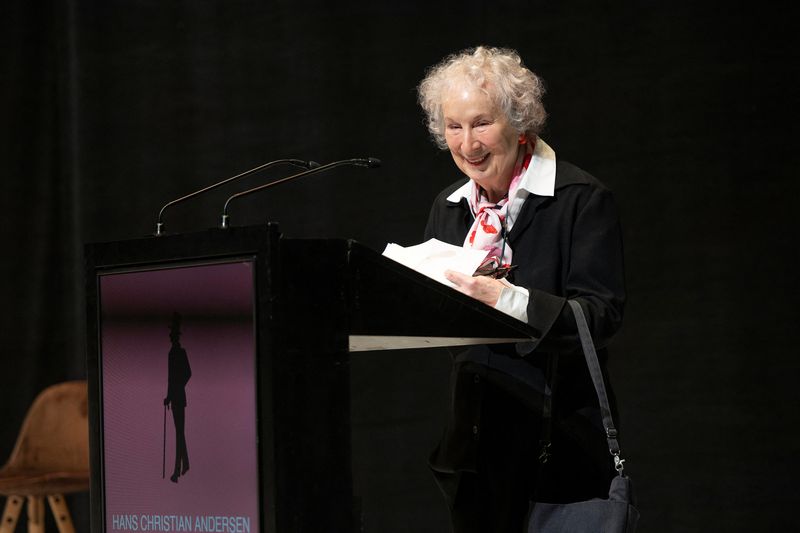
[313,302]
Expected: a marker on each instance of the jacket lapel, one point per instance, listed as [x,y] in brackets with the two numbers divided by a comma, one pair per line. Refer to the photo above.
[532,204]
[535,202]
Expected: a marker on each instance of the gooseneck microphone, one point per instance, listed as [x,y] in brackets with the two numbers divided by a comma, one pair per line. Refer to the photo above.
[295,162]
[369,162]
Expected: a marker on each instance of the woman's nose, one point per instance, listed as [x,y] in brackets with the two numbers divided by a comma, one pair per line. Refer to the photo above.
[469,142]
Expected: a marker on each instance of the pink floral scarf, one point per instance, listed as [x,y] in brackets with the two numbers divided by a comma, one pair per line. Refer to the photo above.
[487,232]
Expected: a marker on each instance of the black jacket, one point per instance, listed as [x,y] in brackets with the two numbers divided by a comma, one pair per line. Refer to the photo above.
[567,246]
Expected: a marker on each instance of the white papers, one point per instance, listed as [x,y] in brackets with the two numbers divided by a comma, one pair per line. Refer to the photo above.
[433,257]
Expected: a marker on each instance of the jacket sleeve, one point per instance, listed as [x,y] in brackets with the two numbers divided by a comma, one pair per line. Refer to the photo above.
[593,275]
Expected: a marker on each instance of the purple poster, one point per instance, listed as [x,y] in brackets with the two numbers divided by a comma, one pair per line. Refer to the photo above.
[179,399]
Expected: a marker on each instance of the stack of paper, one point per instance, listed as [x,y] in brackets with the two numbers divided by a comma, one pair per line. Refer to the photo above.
[433,257]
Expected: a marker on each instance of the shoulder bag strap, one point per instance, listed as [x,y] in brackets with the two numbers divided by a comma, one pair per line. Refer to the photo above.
[599,385]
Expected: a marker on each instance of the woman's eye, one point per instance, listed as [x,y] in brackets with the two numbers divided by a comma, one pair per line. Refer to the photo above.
[453,127]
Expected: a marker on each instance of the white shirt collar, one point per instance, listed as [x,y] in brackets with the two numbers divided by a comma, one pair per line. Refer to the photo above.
[539,178]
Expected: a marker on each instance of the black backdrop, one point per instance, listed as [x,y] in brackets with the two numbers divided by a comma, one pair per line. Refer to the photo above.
[110,109]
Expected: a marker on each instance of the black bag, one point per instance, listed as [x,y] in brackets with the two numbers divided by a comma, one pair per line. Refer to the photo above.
[614,515]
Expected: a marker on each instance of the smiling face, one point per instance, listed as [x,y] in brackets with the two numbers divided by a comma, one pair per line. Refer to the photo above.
[482,142]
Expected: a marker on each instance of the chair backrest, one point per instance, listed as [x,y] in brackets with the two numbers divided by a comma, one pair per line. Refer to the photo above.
[55,433]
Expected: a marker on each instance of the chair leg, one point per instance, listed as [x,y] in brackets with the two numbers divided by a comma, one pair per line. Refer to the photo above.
[60,510]
[35,514]
[11,514]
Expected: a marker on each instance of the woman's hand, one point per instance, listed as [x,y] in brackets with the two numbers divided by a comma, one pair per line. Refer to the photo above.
[482,288]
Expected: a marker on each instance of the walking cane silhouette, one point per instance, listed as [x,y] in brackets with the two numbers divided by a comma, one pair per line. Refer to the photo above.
[164,447]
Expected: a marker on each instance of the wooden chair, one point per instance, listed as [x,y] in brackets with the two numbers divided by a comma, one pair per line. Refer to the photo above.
[50,458]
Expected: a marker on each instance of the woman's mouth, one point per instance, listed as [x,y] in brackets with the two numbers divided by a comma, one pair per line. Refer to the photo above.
[476,161]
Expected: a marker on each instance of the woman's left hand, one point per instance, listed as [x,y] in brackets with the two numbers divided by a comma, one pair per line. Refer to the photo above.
[482,288]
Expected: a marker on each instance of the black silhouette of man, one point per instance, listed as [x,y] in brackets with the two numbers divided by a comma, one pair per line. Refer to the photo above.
[179,373]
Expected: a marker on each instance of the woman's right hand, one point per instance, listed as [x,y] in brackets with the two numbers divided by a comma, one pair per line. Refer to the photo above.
[482,288]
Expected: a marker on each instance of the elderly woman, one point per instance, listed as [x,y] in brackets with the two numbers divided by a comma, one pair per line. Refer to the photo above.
[555,230]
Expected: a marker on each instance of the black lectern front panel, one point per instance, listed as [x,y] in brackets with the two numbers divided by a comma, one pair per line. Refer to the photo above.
[181,346]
